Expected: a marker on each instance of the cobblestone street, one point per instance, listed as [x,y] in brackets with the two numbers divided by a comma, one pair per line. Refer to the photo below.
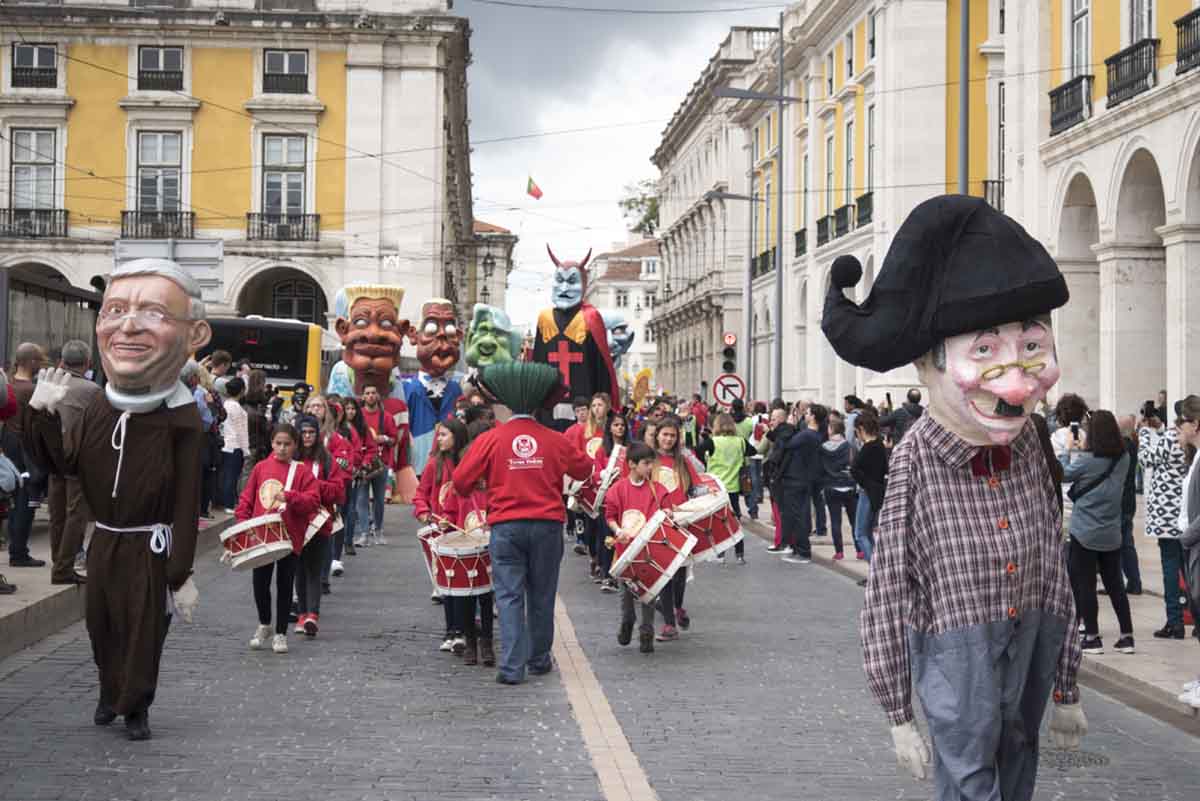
[763,697]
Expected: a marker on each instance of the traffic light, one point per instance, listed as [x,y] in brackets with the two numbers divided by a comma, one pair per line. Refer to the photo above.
[729,365]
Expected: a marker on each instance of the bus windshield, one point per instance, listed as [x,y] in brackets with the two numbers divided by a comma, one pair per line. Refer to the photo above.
[277,348]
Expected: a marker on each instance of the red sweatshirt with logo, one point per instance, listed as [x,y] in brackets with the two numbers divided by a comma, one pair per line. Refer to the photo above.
[630,505]
[524,463]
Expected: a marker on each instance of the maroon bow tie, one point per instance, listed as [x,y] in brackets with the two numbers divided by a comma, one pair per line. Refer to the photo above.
[991,460]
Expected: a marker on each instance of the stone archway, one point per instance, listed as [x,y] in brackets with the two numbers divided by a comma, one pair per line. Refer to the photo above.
[1133,303]
[1076,325]
[284,292]
[1182,247]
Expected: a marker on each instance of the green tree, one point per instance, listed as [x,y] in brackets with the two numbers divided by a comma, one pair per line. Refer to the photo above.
[639,204]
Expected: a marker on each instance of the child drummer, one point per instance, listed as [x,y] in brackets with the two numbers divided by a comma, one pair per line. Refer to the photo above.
[627,506]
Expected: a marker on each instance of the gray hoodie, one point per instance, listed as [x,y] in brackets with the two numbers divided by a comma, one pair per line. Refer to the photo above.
[835,465]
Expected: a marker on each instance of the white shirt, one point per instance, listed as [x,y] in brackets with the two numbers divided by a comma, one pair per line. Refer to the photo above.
[236,428]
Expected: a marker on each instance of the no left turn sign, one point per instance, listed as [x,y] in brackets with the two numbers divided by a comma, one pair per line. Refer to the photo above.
[729,387]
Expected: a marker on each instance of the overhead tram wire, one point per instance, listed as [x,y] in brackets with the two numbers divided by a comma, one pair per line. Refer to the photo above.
[522,4]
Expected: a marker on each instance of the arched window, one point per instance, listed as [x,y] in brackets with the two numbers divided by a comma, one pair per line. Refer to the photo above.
[296,299]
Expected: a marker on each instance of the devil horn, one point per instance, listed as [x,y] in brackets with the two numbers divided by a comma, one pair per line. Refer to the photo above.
[586,259]
[553,258]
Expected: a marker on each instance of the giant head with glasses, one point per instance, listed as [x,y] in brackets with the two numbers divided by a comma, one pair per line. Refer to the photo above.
[150,321]
[965,295]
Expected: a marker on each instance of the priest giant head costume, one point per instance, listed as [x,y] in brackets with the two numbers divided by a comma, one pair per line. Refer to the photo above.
[965,294]
[151,320]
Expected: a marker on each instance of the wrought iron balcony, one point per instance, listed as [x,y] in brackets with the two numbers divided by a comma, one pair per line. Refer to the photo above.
[824,229]
[283,227]
[842,218]
[801,242]
[279,83]
[1132,71]
[993,193]
[34,77]
[158,224]
[1187,42]
[1070,103]
[865,205]
[33,223]
[160,80]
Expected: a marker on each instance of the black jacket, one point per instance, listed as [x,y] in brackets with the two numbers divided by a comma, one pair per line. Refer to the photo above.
[900,420]
[803,460]
[870,471]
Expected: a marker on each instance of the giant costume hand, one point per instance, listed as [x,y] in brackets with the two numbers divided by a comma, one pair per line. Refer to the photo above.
[911,751]
[1067,726]
[187,598]
[50,390]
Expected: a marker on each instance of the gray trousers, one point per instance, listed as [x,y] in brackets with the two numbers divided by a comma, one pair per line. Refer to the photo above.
[628,601]
[984,690]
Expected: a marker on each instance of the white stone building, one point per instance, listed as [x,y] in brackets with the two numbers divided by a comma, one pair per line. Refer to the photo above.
[626,280]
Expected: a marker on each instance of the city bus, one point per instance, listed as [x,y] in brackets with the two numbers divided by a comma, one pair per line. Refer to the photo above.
[289,351]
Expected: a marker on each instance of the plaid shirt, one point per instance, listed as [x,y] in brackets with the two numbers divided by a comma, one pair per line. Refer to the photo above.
[954,550]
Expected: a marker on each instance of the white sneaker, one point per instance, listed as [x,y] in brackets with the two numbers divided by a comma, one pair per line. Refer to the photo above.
[336,568]
[459,644]
[447,644]
[279,644]
[261,635]
[1191,685]
[797,560]
[360,541]
[1191,697]
[379,538]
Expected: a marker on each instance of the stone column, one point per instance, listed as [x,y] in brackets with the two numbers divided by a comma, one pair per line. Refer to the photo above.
[1182,246]
[1133,359]
[1077,330]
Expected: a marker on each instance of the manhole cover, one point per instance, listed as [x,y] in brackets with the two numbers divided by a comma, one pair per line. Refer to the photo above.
[1060,760]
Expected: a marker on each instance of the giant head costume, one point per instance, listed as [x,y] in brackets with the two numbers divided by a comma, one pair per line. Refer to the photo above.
[491,338]
[372,333]
[620,335]
[437,337]
[570,281]
[151,320]
[965,294]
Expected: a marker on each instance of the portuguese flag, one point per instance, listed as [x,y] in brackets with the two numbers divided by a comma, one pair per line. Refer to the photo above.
[533,190]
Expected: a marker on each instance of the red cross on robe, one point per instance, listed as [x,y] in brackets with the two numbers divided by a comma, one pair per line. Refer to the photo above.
[564,357]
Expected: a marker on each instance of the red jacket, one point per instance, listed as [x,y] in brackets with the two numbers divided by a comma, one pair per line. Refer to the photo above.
[524,463]
[664,474]
[601,462]
[9,408]
[331,488]
[630,505]
[342,452]
[467,513]
[431,495]
[381,424]
[574,435]
[301,501]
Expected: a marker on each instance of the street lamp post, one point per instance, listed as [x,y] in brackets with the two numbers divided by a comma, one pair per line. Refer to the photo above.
[780,100]
[747,289]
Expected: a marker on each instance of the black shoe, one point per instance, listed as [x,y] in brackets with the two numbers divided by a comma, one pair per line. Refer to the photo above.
[325,588]
[104,714]
[74,579]
[580,548]
[502,679]
[1124,645]
[646,640]
[1133,590]
[1092,645]
[625,633]
[137,727]
[540,671]
[349,549]
[862,582]
[26,561]
[1170,632]
[5,587]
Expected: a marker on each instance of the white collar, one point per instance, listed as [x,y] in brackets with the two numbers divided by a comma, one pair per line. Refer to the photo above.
[174,396]
[637,483]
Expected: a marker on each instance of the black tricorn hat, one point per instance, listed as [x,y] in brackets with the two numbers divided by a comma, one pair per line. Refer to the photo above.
[956,265]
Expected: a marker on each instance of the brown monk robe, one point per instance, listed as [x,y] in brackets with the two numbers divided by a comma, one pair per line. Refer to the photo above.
[159,482]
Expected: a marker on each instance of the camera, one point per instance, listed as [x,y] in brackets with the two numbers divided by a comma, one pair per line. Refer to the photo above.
[1075,430]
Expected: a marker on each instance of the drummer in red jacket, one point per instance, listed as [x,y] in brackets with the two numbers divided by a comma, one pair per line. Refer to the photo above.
[523,463]
[429,507]
[627,506]
[324,467]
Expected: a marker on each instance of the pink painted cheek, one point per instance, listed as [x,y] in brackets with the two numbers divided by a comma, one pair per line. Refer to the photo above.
[1049,377]
[965,377]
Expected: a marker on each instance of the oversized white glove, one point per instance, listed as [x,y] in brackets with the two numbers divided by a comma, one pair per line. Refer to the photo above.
[50,390]
[1067,726]
[911,751]
[187,598]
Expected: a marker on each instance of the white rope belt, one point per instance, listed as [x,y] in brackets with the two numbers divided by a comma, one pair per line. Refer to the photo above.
[160,535]
[118,445]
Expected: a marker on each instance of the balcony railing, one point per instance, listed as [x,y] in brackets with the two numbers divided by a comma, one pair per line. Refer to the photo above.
[865,204]
[993,193]
[764,263]
[842,218]
[824,229]
[283,227]
[30,223]
[1187,42]
[1070,103]
[34,77]
[158,224]
[1132,71]
[160,80]
[801,242]
[279,83]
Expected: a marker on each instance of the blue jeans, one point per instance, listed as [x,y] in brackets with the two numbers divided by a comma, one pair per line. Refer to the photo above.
[526,555]
[231,471]
[1171,553]
[20,523]
[372,516]
[756,488]
[864,536]
[1129,558]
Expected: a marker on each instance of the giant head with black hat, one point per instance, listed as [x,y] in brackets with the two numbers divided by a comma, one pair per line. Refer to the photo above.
[965,294]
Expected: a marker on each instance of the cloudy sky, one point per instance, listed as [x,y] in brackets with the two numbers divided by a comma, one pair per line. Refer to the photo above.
[541,70]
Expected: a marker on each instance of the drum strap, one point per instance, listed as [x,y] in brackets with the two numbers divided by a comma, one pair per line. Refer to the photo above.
[160,535]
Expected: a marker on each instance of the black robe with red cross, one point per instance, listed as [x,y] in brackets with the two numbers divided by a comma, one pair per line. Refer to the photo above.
[575,342]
